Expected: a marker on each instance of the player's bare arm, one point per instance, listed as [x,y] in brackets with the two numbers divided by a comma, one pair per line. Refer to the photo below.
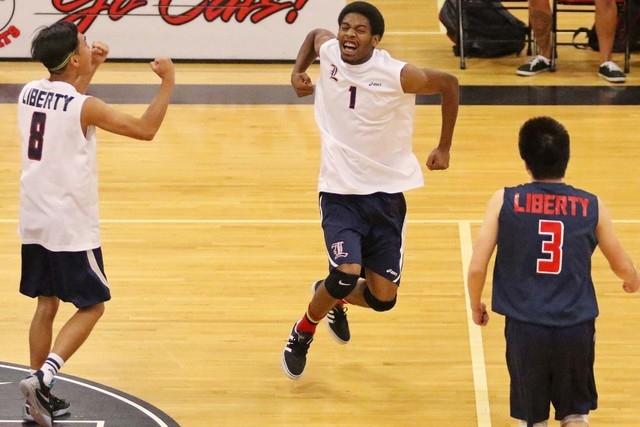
[98,113]
[300,80]
[483,248]
[99,53]
[619,261]
[429,82]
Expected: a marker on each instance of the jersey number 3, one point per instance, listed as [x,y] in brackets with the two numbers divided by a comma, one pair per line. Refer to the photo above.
[552,264]
[36,135]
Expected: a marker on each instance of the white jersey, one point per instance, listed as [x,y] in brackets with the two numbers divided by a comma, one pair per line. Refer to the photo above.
[366,125]
[59,181]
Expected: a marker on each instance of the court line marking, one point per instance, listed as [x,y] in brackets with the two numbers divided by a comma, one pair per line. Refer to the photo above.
[96,423]
[417,33]
[237,221]
[481,389]
[281,221]
[108,393]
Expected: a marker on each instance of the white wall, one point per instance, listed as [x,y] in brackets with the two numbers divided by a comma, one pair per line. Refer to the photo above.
[180,29]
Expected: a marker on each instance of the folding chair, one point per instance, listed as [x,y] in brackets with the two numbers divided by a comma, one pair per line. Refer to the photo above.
[582,6]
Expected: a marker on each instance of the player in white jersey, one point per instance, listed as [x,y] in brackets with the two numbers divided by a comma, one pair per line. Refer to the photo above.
[59,224]
[364,108]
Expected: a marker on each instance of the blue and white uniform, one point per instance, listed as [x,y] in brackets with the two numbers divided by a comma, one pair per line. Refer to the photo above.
[59,181]
[59,222]
[366,126]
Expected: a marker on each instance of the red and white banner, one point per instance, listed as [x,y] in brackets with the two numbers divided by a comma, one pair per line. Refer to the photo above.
[180,29]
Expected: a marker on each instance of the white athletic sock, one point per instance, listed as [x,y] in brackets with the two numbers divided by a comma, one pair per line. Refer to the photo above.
[50,368]
[575,418]
[523,423]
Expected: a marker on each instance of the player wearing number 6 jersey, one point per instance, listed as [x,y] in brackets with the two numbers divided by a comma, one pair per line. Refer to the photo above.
[59,226]
[364,109]
[546,232]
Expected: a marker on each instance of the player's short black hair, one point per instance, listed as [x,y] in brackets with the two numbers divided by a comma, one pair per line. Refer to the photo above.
[369,11]
[54,43]
[544,146]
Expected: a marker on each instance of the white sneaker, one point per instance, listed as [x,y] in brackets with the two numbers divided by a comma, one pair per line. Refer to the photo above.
[38,398]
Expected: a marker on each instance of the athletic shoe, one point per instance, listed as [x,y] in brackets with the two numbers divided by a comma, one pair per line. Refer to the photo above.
[611,72]
[38,396]
[536,65]
[337,322]
[59,407]
[295,353]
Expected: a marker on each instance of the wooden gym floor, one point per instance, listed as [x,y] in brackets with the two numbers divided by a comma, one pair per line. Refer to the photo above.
[211,242]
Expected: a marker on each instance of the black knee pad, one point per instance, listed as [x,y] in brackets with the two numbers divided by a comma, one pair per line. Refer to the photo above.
[376,304]
[340,284]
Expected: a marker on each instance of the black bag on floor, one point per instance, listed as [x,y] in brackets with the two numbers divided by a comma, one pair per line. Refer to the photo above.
[621,30]
[490,29]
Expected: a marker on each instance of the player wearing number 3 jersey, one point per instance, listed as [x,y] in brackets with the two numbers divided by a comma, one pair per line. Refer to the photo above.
[59,224]
[546,232]
[560,244]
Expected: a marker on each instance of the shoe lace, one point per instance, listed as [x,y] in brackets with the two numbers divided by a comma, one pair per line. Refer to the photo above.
[56,402]
[612,66]
[535,61]
[338,314]
[299,343]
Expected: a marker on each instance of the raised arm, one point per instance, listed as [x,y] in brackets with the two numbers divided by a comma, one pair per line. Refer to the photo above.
[429,82]
[99,53]
[308,53]
[612,249]
[97,112]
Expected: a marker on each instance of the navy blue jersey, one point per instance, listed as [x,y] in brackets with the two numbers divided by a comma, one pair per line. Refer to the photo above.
[546,237]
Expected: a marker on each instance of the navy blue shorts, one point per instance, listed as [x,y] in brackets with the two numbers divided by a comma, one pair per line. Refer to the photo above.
[76,277]
[550,366]
[365,229]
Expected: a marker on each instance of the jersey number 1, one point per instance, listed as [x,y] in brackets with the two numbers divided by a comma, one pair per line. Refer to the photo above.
[352,98]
